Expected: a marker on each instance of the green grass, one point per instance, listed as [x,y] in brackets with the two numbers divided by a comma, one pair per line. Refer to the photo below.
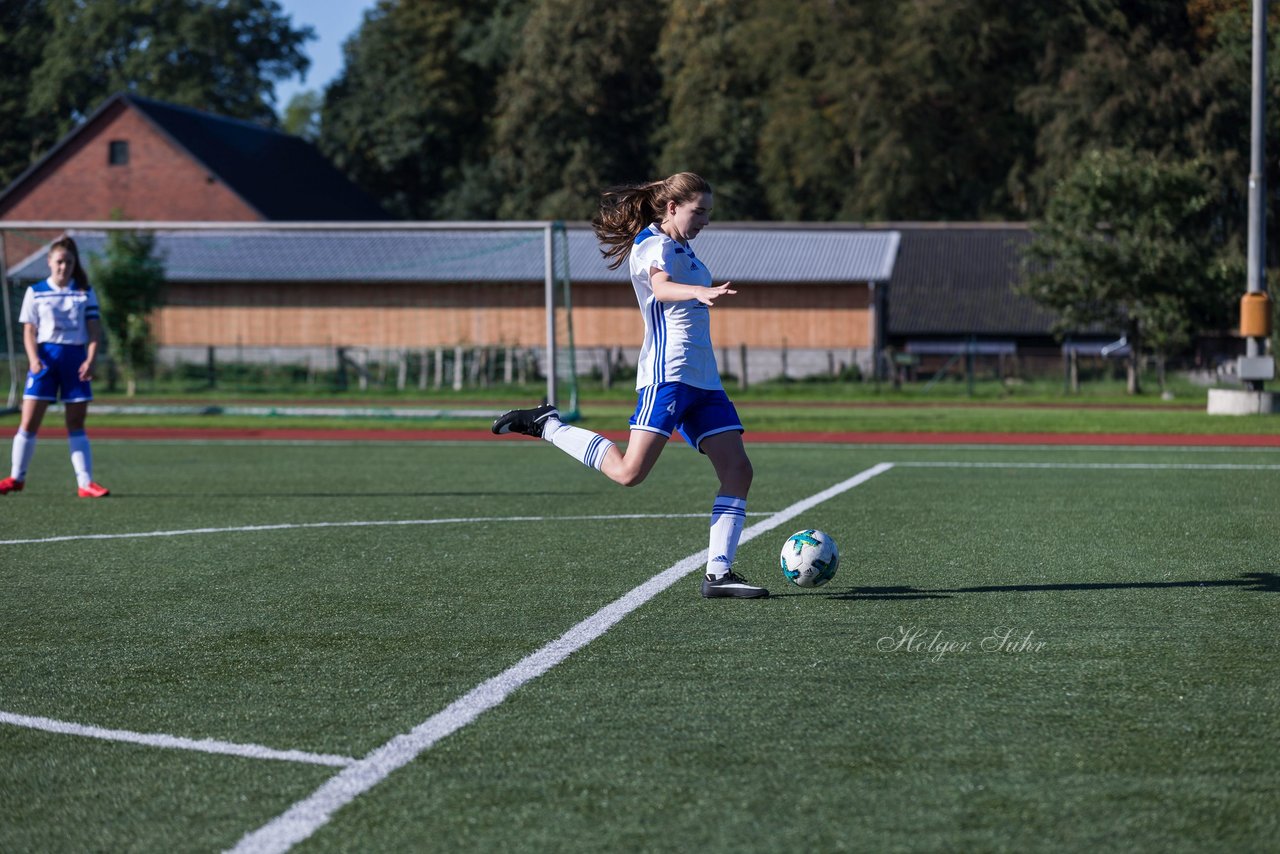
[1144,722]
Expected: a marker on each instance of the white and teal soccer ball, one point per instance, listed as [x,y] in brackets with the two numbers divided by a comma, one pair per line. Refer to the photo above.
[810,558]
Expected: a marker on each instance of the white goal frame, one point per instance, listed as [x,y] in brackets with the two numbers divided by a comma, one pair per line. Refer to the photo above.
[549,228]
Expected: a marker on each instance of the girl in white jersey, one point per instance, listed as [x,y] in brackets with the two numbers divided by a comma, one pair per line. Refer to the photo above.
[60,330]
[650,226]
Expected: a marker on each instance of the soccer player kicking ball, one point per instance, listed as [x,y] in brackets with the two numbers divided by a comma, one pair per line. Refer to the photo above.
[678,383]
[61,330]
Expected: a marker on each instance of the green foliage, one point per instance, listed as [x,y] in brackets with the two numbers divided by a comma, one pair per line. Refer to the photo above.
[24,26]
[576,108]
[302,115]
[812,110]
[404,118]
[222,57]
[714,86]
[60,59]
[935,133]
[1128,243]
[129,281]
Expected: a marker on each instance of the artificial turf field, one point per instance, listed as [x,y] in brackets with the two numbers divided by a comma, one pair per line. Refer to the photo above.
[401,647]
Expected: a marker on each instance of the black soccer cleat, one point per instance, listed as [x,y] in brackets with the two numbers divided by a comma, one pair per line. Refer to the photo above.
[527,421]
[732,586]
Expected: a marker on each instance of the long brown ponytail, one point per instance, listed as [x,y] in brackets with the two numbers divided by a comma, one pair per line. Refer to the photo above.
[625,211]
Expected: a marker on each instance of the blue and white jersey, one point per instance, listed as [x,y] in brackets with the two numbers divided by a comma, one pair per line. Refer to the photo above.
[60,315]
[677,335]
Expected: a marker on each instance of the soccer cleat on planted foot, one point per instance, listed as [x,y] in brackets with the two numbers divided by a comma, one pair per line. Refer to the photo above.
[93,490]
[10,485]
[527,421]
[731,586]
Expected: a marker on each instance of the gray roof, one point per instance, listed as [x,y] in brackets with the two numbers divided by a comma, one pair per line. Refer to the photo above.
[775,254]
[961,279]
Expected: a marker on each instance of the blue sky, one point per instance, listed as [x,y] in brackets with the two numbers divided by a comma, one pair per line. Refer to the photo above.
[334,21]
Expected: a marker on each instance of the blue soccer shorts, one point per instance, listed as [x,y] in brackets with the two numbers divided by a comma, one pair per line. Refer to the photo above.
[695,412]
[60,375]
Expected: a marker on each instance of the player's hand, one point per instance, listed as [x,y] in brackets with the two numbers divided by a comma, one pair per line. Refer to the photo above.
[36,368]
[86,371]
[708,296]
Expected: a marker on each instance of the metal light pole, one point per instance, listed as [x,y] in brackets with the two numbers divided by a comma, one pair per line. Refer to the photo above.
[1255,307]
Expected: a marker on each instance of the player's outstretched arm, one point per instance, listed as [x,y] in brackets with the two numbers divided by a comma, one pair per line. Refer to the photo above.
[665,289]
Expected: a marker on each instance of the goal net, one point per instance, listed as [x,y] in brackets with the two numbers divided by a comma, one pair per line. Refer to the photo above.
[482,308]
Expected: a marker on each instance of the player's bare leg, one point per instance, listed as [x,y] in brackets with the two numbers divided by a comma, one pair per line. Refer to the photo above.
[632,466]
[729,458]
[33,415]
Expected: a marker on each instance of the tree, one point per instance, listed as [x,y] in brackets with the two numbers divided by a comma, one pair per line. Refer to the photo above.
[1129,242]
[223,57]
[24,27]
[813,110]
[302,115]
[407,117]
[1130,87]
[714,85]
[934,123]
[129,281]
[811,149]
[1219,131]
[577,108]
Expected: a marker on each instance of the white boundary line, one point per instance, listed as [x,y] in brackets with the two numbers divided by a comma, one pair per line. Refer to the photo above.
[311,813]
[1102,466]
[621,516]
[158,739]
[375,523]
[494,691]
[855,446]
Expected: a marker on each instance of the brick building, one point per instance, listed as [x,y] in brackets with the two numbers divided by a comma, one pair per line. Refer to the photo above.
[148,160]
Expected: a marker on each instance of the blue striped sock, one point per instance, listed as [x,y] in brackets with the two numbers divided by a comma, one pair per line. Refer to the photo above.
[728,516]
[586,447]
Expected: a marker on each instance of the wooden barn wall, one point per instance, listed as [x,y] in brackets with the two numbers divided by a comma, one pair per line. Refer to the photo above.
[415,315]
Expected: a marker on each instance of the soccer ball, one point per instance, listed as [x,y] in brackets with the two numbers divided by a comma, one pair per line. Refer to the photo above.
[810,558]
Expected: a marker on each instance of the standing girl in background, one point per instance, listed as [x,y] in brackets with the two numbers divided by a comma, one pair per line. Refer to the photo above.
[60,330]
[678,383]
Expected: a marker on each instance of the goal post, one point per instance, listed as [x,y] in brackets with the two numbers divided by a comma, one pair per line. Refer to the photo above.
[478,296]
[562,356]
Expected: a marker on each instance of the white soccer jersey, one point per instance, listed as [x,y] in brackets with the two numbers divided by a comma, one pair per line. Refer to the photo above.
[60,315]
[677,335]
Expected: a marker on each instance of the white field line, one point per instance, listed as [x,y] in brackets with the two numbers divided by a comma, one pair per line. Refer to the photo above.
[1098,466]
[173,742]
[830,446]
[240,529]
[375,523]
[308,815]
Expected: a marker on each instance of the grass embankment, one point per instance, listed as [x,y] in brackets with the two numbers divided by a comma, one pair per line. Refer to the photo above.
[821,406]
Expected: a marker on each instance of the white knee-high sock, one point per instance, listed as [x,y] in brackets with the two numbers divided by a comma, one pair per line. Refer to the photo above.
[728,516]
[584,446]
[24,445]
[81,457]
